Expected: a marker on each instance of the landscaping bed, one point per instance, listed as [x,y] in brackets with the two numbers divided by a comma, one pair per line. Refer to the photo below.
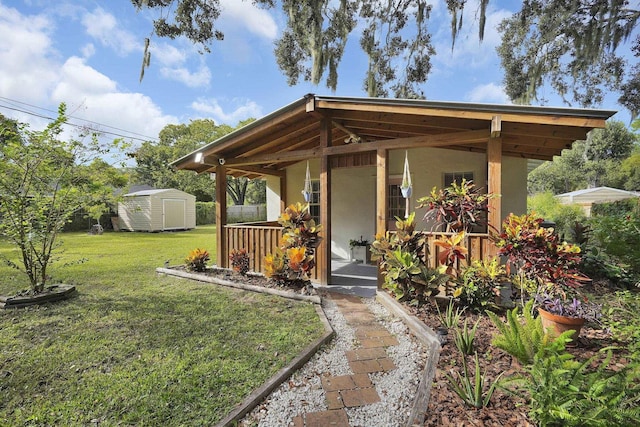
[447,409]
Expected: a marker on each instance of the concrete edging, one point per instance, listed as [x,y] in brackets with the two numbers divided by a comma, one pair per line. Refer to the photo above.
[202,278]
[427,337]
[281,376]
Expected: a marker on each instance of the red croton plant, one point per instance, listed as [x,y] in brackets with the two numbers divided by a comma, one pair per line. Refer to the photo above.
[538,254]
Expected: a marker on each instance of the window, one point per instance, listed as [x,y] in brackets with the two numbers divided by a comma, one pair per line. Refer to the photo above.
[396,204]
[314,203]
[451,177]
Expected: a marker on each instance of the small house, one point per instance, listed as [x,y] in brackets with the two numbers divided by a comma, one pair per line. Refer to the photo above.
[157,210]
[590,196]
[354,150]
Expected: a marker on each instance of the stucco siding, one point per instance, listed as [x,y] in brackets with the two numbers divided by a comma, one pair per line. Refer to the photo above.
[514,186]
[353,190]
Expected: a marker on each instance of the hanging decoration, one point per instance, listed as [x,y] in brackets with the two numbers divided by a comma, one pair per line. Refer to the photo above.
[306,191]
[407,186]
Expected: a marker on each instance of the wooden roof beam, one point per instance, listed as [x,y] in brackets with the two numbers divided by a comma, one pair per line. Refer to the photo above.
[442,140]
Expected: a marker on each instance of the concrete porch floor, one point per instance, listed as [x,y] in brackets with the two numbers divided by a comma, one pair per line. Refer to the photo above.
[353,278]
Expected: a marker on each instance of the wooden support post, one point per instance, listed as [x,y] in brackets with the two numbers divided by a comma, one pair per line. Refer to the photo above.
[382,191]
[494,171]
[325,205]
[283,192]
[221,216]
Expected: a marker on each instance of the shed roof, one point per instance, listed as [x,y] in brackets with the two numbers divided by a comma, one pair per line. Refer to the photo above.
[595,192]
[292,133]
[153,192]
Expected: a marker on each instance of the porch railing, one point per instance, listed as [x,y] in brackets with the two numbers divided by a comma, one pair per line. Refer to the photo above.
[262,238]
[258,239]
[478,246]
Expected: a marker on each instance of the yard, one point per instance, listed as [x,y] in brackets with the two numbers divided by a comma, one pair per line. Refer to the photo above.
[135,348]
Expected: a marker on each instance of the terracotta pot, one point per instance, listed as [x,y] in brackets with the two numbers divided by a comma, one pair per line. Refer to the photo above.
[558,324]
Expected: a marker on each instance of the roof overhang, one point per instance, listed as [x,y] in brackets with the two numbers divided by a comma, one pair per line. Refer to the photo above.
[292,133]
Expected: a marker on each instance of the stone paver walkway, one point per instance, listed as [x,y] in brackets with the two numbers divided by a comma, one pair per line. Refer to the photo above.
[368,356]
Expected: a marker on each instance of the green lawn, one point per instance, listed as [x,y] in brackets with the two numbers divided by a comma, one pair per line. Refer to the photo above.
[134,348]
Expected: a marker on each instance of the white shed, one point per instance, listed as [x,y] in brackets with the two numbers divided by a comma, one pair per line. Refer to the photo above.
[587,197]
[157,210]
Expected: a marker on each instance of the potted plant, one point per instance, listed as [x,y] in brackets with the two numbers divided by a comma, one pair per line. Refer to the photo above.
[537,254]
[560,315]
[362,243]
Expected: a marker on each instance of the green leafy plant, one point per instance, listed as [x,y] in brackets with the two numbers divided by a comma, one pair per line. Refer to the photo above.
[450,318]
[43,182]
[458,207]
[564,392]
[239,261]
[293,261]
[401,256]
[361,242]
[523,336]
[479,284]
[465,337]
[538,254]
[197,260]
[472,390]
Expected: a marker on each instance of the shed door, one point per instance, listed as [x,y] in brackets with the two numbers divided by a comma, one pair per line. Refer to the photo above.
[173,214]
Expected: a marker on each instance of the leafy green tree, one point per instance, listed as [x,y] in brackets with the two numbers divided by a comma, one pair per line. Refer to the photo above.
[43,181]
[572,46]
[630,169]
[396,39]
[591,163]
[565,216]
[153,159]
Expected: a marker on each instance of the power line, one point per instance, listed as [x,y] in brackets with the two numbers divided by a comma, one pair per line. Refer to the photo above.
[14,107]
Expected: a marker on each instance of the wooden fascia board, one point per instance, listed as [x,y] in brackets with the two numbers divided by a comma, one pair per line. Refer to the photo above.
[266,127]
[546,131]
[548,119]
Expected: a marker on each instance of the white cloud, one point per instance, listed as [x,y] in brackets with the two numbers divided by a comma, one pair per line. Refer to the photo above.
[33,74]
[488,93]
[96,97]
[244,109]
[88,50]
[200,78]
[255,20]
[27,56]
[103,27]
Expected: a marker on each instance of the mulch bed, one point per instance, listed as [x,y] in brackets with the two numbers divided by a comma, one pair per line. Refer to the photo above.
[445,407]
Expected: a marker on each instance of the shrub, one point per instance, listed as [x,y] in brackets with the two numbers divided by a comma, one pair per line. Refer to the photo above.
[564,392]
[619,237]
[459,207]
[197,260]
[479,284]
[523,336]
[205,213]
[292,262]
[239,261]
[564,216]
[401,256]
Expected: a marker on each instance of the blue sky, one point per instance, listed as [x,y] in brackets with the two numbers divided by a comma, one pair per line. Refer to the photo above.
[88,53]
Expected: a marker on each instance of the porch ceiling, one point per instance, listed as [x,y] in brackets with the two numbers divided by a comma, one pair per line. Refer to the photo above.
[292,133]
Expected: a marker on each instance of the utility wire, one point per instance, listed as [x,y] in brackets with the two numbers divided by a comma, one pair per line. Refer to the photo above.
[14,107]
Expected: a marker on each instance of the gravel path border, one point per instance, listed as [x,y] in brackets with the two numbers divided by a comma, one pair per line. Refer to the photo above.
[303,392]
